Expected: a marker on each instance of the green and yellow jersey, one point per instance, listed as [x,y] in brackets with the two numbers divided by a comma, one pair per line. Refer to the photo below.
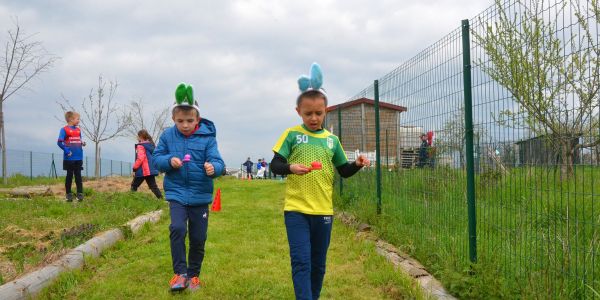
[311,193]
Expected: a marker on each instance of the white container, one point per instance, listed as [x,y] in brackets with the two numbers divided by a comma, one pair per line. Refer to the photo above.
[409,136]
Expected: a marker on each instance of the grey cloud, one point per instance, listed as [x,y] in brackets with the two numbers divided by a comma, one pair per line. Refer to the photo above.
[243,58]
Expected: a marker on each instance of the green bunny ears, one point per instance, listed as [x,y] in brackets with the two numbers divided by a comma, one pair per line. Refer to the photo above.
[184,94]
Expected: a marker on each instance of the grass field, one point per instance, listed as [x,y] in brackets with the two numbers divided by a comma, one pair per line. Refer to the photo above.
[21,180]
[537,235]
[247,257]
[36,231]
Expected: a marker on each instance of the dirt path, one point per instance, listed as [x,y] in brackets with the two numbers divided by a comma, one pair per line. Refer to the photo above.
[107,184]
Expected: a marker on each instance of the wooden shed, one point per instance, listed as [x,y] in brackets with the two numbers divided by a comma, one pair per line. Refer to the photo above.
[358,128]
[537,151]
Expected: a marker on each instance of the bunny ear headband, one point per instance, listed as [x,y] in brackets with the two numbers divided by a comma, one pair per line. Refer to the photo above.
[184,96]
[312,83]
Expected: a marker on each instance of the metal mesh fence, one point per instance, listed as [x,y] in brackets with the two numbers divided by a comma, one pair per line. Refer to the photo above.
[38,164]
[534,102]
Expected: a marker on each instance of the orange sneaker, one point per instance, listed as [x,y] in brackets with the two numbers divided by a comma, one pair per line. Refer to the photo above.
[194,283]
[178,282]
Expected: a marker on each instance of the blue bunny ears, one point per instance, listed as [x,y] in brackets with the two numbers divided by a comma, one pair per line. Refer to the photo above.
[312,83]
[184,96]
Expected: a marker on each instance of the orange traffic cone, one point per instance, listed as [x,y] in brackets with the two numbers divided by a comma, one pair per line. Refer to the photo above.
[216,206]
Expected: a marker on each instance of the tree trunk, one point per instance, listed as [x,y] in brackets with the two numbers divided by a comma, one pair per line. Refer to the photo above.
[27,191]
[97,161]
[566,155]
[3,141]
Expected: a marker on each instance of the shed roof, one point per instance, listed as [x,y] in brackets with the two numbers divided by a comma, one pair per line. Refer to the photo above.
[366,101]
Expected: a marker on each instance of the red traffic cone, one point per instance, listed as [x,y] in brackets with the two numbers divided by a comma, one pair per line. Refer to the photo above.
[216,205]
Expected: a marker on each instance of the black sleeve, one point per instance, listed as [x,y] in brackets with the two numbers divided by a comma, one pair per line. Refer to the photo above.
[348,169]
[279,165]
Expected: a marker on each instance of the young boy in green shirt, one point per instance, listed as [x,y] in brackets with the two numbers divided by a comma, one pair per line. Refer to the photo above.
[309,154]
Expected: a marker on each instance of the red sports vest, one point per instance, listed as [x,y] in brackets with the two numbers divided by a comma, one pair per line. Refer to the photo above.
[72,136]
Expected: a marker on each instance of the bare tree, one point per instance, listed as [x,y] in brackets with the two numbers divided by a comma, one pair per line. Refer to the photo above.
[101,118]
[554,79]
[158,120]
[24,59]
[451,138]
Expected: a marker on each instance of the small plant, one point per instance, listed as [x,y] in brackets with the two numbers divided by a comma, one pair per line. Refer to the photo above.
[88,191]
[18,254]
[77,234]
[489,176]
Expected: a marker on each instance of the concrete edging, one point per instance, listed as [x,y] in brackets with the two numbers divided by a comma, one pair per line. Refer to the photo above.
[32,283]
[409,266]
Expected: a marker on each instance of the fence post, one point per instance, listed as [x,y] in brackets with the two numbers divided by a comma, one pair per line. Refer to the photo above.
[466,47]
[377,146]
[31,165]
[387,153]
[121,168]
[86,168]
[111,168]
[339,112]
[53,173]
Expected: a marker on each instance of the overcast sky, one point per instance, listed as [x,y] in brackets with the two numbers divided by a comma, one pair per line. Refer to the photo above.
[242,57]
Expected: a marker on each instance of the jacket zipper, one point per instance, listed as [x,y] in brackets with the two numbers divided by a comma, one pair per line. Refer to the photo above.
[185,165]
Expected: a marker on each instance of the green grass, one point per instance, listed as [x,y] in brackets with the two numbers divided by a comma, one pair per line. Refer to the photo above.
[537,235]
[247,257]
[21,180]
[36,230]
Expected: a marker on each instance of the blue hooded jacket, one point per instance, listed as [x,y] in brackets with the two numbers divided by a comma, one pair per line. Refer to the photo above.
[152,171]
[189,185]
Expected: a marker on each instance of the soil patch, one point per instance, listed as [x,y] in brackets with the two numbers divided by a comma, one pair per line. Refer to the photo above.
[107,185]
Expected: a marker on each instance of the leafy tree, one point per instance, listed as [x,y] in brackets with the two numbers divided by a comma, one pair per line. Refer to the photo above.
[554,81]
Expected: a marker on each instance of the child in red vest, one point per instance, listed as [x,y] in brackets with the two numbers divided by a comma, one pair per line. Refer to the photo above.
[143,167]
[69,140]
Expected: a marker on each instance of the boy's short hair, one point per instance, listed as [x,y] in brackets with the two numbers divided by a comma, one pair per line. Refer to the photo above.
[184,108]
[312,94]
[70,115]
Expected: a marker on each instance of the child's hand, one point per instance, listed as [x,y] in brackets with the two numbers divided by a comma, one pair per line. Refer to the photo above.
[69,153]
[299,169]
[176,163]
[83,144]
[362,161]
[210,169]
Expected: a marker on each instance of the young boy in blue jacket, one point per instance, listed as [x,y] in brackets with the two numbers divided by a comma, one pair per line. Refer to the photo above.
[188,154]
[69,140]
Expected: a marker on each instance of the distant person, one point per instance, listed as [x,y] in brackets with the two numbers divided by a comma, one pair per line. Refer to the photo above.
[423,151]
[143,167]
[248,164]
[310,154]
[260,171]
[69,140]
[188,154]
[265,169]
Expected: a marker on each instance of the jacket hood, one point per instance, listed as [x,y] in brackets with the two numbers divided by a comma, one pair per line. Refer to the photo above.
[206,127]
